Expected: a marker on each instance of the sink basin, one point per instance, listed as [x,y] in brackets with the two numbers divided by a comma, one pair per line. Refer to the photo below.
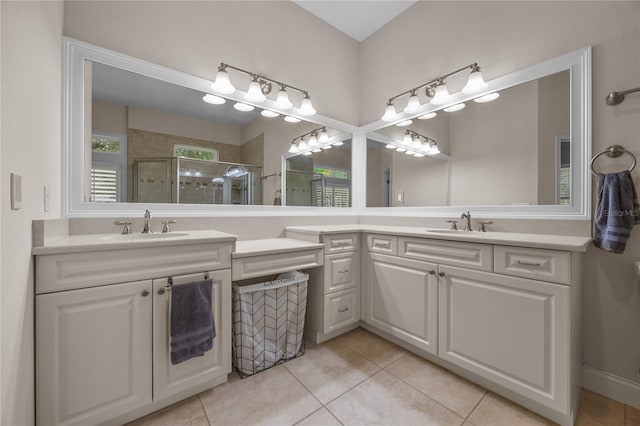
[142,237]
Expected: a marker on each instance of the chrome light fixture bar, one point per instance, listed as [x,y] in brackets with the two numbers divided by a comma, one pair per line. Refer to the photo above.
[415,144]
[437,91]
[318,138]
[259,87]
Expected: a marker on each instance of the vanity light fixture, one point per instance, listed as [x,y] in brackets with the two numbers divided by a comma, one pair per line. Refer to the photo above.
[427,116]
[313,140]
[293,149]
[415,144]
[437,90]
[487,98]
[243,107]
[454,108]
[407,140]
[259,87]
[269,114]
[290,119]
[324,137]
[213,99]
[301,144]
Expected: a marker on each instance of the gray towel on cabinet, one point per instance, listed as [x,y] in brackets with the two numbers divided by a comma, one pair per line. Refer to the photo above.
[192,325]
[617,211]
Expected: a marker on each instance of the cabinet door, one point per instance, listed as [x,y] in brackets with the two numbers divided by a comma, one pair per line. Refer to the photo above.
[341,309]
[170,379]
[402,299]
[93,353]
[513,331]
[341,271]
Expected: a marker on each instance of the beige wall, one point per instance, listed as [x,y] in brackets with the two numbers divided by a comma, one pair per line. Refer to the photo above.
[504,37]
[277,39]
[109,118]
[31,77]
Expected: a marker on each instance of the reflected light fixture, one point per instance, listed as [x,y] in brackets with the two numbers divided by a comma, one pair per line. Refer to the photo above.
[313,143]
[427,116]
[313,140]
[327,146]
[316,150]
[213,99]
[404,123]
[339,143]
[323,135]
[418,155]
[290,119]
[454,108]
[293,149]
[222,83]
[235,171]
[487,98]
[259,87]
[243,107]
[390,146]
[269,114]
[437,90]
[407,139]
[306,153]
[415,144]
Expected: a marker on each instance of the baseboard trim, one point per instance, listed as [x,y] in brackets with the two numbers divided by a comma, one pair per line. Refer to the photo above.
[611,386]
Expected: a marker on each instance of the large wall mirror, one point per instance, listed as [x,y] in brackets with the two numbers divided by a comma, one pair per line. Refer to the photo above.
[522,149]
[138,133]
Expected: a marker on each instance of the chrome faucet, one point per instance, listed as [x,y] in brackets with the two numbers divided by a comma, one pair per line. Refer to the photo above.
[147,223]
[467,222]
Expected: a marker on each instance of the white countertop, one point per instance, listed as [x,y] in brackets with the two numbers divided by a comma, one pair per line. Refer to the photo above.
[97,242]
[271,245]
[555,242]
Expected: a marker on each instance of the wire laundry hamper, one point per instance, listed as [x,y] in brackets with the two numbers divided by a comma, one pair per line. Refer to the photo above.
[268,322]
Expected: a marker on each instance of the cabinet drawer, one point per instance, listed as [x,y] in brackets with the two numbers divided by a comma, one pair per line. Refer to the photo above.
[385,244]
[340,242]
[341,309]
[454,253]
[539,264]
[341,271]
[269,264]
[56,272]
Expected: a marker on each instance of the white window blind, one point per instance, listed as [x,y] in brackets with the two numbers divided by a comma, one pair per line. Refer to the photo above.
[104,185]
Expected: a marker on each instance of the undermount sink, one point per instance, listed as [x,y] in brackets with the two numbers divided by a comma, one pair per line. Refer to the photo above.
[142,237]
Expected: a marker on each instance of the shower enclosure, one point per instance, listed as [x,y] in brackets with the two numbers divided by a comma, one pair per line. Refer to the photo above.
[189,181]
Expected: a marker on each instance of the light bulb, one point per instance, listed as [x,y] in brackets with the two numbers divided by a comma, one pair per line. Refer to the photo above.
[327,146]
[305,107]
[324,137]
[427,116]
[213,99]
[293,148]
[426,147]
[290,119]
[404,123]
[475,83]
[222,84]
[441,95]
[242,107]
[416,144]
[269,114]
[313,140]
[339,143]
[302,144]
[407,140]
[282,101]
[487,98]
[254,94]
[434,149]
[413,104]
[390,146]
[454,108]
[390,113]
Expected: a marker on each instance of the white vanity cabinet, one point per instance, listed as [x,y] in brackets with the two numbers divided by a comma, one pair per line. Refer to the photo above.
[333,294]
[103,347]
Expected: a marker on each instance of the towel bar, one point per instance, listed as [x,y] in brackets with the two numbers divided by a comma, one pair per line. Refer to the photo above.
[613,151]
[170,280]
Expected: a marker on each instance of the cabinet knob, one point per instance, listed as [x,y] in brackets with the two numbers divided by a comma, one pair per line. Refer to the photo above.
[441,274]
[145,293]
[432,272]
[344,309]
[161,291]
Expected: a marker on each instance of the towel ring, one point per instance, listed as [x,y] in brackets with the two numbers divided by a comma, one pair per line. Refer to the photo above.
[613,151]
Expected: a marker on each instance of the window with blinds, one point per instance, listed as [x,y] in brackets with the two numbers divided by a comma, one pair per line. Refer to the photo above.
[333,189]
[104,184]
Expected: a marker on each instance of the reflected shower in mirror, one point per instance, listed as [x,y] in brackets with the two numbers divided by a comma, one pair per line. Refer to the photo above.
[512,150]
[158,142]
[318,169]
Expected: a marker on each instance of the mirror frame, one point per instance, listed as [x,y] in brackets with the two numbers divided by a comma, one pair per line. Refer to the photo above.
[579,64]
[74,53]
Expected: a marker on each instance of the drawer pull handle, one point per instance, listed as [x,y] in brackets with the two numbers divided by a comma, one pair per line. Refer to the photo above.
[340,243]
[523,263]
[346,271]
[145,293]
[432,272]
[382,245]
[343,309]
[441,274]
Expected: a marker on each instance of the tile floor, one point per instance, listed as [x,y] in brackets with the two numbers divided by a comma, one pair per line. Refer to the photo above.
[361,379]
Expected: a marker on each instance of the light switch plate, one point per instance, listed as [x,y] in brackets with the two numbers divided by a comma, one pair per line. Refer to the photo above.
[400,197]
[16,192]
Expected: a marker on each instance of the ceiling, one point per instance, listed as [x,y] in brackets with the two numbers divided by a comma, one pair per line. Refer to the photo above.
[357,19]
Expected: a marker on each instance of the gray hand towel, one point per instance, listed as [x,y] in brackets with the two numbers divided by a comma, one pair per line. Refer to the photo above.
[617,211]
[192,325]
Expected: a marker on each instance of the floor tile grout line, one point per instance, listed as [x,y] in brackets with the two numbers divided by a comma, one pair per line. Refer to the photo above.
[486,392]
[404,351]
[205,410]
[302,384]
[432,399]
[356,385]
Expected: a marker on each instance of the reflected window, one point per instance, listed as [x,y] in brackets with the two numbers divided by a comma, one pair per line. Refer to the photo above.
[333,188]
[195,152]
[108,168]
